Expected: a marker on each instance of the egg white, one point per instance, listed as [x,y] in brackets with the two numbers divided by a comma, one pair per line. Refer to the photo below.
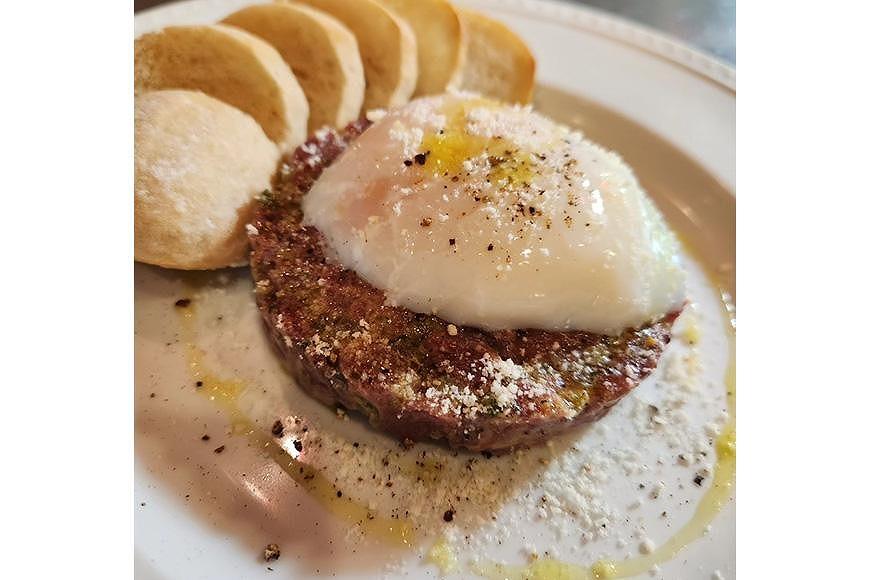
[496,217]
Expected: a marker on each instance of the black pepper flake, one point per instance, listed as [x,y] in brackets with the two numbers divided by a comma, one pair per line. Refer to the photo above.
[267,197]
[699,479]
[220,449]
[205,437]
[426,222]
[338,493]
[532,210]
[152,395]
[198,383]
[278,428]
[448,515]
[298,445]
[489,248]
[408,162]
[452,241]
[420,158]
[271,552]
[182,302]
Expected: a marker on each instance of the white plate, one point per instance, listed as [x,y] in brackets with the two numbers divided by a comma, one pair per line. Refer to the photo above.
[670,112]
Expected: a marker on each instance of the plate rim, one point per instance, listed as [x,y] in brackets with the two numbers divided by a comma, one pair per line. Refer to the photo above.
[625,31]
[619,30]
[589,19]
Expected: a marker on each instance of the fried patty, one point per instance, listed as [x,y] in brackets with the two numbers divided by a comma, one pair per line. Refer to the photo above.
[415,375]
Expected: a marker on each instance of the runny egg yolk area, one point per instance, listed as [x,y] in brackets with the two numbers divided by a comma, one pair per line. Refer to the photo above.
[494,216]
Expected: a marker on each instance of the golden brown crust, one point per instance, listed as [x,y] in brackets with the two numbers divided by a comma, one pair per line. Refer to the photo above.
[498,63]
[320,50]
[440,42]
[230,65]
[387,47]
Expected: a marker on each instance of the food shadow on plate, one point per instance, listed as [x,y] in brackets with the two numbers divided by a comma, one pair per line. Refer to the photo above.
[187,443]
[320,516]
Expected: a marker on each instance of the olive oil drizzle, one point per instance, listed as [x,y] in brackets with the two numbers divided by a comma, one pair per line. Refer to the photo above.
[443,556]
[711,503]
[225,394]
[445,152]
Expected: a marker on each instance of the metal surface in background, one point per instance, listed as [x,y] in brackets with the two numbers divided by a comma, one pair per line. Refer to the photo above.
[708,25]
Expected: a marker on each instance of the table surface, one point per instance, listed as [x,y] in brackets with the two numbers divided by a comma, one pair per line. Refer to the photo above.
[708,25]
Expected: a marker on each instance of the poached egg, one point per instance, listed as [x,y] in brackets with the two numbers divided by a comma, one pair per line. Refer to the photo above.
[494,216]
